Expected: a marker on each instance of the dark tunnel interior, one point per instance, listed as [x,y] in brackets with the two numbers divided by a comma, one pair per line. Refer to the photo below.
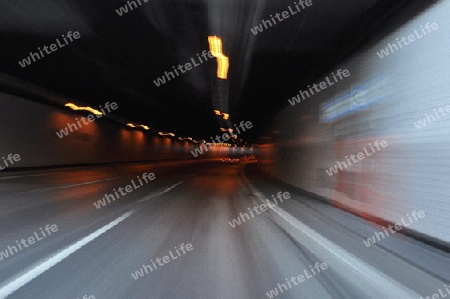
[247,149]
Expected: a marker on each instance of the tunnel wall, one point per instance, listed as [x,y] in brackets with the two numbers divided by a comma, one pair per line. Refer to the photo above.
[382,99]
[29,129]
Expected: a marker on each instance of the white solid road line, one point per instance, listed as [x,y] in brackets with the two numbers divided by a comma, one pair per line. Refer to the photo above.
[45,264]
[325,249]
[148,197]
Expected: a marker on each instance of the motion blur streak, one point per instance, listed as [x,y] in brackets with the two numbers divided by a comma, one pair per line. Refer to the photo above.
[215,46]
[382,102]
[75,107]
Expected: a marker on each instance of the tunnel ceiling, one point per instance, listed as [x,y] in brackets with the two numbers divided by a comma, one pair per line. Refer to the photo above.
[117,58]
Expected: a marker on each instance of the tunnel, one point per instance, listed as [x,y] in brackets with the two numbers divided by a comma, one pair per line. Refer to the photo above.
[248,149]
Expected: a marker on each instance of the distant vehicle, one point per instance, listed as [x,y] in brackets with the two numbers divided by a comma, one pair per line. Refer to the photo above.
[234,160]
[230,160]
[252,157]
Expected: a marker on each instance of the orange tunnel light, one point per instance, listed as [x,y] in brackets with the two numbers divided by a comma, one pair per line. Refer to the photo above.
[166,134]
[215,47]
[75,107]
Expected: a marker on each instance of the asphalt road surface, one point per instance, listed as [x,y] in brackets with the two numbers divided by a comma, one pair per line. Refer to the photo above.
[171,238]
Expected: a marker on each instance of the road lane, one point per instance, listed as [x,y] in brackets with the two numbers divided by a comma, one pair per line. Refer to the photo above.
[185,204]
